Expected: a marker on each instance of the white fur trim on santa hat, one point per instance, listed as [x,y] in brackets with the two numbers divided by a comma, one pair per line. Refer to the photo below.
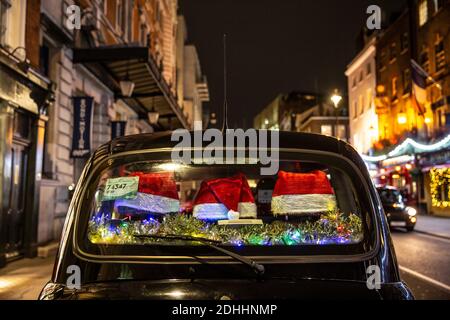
[247,210]
[151,203]
[210,211]
[296,204]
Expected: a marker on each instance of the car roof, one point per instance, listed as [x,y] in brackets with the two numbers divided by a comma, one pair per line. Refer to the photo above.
[287,140]
[163,140]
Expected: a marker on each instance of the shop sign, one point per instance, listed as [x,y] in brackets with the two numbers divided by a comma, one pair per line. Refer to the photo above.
[397,160]
[435,158]
[82,127]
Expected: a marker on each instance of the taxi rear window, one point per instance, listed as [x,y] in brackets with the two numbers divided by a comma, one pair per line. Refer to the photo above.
[147,205]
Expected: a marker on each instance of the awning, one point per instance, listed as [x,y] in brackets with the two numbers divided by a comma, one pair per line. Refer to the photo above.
[151,90]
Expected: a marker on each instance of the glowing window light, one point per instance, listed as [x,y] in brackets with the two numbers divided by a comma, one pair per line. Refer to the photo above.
[401,119]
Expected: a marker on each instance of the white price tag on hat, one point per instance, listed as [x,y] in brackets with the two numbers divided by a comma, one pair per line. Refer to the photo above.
[121,188]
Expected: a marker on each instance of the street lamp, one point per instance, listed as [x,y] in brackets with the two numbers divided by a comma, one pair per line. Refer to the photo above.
[336,98]
[126,86]
[153,115]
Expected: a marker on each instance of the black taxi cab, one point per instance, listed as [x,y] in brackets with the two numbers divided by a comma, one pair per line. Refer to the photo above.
[142,226]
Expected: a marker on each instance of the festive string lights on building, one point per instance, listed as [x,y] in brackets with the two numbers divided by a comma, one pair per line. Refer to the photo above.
[440,188]
[408,142]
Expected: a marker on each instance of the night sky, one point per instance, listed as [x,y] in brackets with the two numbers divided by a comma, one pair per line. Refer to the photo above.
[275,46]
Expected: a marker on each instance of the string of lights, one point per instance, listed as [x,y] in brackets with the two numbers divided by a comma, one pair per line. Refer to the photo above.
[408,142]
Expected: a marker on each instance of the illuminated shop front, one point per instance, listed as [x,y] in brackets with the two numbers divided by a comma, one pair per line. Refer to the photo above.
[421,172]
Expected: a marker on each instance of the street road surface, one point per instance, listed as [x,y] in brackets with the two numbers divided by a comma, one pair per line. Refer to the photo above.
[424,262]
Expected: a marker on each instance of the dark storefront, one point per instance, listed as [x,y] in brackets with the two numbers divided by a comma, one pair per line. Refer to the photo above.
[24,99]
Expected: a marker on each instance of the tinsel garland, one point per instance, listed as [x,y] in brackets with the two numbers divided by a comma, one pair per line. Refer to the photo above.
[332,228]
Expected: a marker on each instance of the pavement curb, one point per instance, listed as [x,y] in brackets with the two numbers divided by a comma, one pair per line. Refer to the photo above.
[432,234]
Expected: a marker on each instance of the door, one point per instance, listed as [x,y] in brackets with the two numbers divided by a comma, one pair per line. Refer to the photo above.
[16,213]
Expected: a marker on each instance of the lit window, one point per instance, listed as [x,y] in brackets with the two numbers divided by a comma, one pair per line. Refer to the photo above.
[369,98]
[394,87]
[368,69]
[326,129]
[341,132]
[423,12]
[361,104]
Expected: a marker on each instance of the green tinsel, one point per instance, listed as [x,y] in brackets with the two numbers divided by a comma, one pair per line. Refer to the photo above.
[332,227]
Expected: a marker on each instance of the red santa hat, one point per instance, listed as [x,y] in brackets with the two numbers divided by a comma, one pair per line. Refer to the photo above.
[157,193]
[225,198]
[302,193]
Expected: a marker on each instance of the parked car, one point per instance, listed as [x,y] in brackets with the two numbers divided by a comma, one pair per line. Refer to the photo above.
[397,212]
[312,230]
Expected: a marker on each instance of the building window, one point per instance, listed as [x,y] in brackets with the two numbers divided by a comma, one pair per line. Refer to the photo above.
[439,118]
[424,59]
[360,104]
[354,83]
[369,98]
[102,5]
[12,25]
[121,15]
[423,12]
[355,109]
[393,52]
[406,80]
[4,6]
[143,36]
[394,87]
[405,42]
[439,53]
[326,129]
[341,132]
[438,4]
[382,59]
[368,69]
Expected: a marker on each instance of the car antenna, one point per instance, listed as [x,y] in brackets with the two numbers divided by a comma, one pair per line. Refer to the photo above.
[225,103]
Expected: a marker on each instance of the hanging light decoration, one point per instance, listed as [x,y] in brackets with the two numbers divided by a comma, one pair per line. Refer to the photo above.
[126,85]
[153,115]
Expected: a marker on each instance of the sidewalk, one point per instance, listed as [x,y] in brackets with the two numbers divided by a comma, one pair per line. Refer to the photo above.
[437,226]
[23,279]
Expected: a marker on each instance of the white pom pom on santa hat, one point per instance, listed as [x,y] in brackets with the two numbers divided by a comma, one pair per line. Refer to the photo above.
[217,199]
[302,193]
